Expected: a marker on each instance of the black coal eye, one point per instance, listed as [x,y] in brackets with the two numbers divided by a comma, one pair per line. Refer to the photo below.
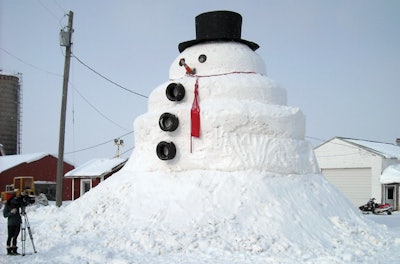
[202,58]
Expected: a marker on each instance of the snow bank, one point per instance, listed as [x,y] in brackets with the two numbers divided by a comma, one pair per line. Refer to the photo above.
[209,217]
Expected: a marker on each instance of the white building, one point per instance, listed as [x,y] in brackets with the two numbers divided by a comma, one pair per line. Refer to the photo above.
[355,167]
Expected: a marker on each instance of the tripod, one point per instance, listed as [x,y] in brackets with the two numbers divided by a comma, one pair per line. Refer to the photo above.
[25,224]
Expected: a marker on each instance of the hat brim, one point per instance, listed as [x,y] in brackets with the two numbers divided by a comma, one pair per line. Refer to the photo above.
[184,45]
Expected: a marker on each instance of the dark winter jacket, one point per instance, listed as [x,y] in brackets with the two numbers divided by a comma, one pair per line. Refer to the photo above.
[13,218]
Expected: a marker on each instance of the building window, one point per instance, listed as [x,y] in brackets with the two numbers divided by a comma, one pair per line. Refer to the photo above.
[86,185]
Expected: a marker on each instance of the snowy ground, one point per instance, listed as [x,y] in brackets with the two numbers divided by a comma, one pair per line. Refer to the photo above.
[242,217]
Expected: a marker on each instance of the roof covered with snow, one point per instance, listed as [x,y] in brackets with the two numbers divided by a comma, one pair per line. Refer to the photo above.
[10,161]
[386,150]
[391,174]
[97,167]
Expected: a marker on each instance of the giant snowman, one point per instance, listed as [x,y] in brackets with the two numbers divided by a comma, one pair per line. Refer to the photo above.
[219,111]
[220,174]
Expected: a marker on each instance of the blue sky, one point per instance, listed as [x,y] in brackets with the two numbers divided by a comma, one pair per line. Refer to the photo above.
[338,60]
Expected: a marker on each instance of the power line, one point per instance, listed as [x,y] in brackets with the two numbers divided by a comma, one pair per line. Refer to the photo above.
[350,145]
[102,76]
[322,140]
[127,150]
[50,12]
[80,61]
[29,64]
[98,111]
[59,6]
[97,145]
[87,101]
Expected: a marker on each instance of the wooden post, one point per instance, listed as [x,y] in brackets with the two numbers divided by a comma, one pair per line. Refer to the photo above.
[60,162]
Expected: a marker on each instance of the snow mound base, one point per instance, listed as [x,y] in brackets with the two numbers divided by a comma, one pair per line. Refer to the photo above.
[203,216]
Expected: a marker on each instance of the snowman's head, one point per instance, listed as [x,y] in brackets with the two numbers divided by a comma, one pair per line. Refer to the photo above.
[217,58]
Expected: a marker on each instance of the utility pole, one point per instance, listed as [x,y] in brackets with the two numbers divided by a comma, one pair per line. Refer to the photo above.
[65,40]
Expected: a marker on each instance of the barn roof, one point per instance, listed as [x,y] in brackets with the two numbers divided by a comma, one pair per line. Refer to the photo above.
[11,161]
[97,167]
[386,150]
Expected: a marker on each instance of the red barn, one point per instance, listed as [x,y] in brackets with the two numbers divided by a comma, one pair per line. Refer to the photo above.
[42,166]
[92,173]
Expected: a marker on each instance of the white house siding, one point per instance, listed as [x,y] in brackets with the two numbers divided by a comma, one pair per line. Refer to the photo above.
[354,183]
[338,154]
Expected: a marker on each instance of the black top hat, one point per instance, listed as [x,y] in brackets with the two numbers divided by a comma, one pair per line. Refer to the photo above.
[218,25]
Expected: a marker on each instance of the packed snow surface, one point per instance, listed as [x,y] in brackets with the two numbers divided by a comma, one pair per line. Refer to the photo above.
[245,122]
[208,217]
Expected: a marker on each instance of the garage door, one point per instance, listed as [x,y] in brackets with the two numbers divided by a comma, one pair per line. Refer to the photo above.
[354,183]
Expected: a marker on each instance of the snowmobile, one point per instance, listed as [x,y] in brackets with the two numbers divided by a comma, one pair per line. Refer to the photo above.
[376,208]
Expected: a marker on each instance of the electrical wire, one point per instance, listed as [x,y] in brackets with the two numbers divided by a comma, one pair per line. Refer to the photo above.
[73,112]
[59,6]
[126,89]
[97,145]
[50,12]
[29,64]
[107,79]
[127,151]
[314,138]
[98,111]
[351,145]
[87,101]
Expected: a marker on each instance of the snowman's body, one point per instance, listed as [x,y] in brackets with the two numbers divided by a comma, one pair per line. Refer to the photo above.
[245,123]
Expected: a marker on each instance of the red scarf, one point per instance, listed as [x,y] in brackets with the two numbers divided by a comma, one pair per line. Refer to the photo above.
[195,112]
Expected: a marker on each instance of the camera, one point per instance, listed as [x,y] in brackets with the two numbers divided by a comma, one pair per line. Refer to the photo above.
[23,201]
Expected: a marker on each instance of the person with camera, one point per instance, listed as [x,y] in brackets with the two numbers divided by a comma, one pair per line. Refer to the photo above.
[11,211]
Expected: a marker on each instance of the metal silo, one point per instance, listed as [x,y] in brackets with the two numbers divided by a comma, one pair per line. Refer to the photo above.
[10,113]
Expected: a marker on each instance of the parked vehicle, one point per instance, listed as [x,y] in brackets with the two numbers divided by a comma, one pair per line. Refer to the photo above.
[376,208]
[23,185]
